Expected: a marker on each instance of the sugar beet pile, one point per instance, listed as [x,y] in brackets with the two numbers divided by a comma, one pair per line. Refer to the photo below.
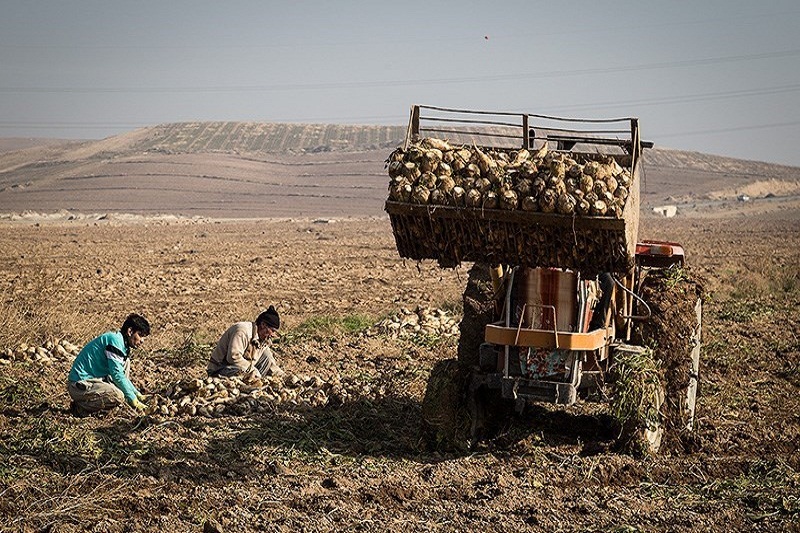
[213,397]
[433,172]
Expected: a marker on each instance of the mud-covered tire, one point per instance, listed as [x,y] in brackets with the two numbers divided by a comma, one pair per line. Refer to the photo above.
[446,421]
[479,309]
[673,332]
[644,437]
[638,398]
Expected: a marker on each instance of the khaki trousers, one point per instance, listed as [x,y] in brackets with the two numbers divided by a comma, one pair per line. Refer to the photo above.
[265,366]
[97,394]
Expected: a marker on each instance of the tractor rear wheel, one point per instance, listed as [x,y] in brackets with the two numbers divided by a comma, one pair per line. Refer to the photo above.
[446,420]
[489,412]
[638,399]
[673,332]
[479,309]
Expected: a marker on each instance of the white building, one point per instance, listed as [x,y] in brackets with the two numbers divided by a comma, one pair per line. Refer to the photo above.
[666,210]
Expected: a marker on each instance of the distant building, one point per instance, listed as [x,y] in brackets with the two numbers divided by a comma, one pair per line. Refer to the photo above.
[666,210]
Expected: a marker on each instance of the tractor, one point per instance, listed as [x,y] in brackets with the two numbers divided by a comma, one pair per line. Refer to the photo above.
[561,304]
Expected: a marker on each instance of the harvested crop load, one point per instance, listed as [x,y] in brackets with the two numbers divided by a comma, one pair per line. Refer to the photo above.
[535,208]
[434,172]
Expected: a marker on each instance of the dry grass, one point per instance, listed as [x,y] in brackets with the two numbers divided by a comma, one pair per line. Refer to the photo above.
[42,315]
[90,496]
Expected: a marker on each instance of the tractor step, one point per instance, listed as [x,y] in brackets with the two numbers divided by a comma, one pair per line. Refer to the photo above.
[540,391]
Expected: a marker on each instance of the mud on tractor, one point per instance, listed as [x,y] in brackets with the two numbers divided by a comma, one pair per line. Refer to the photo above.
[562,302]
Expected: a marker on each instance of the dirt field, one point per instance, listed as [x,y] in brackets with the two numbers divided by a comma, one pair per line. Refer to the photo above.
[360,463]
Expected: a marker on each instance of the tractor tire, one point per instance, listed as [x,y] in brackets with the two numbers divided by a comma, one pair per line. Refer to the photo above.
[673,332]
[637,403]
[447,425]
[479,310]
[644,437]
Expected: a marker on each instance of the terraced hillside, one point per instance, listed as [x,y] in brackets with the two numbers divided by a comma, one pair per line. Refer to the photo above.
[267,138]
[248,169]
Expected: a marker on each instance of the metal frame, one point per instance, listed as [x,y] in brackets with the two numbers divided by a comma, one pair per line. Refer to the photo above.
[528,130]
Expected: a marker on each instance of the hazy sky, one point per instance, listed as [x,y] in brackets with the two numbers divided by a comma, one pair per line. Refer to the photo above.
[720,77]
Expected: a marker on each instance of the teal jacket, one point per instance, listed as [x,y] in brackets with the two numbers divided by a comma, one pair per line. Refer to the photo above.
[105,356]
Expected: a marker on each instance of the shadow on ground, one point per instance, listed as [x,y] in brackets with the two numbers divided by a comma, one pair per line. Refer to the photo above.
[231,447]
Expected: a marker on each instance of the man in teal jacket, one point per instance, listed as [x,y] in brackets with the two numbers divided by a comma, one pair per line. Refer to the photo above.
[100,376]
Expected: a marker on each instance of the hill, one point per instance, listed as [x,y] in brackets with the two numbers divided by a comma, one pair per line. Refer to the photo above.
[250,170]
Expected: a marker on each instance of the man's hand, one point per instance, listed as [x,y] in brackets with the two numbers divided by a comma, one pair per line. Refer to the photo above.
[139,406]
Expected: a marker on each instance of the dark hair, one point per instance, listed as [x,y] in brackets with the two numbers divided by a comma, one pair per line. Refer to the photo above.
[269,317]
[137,323]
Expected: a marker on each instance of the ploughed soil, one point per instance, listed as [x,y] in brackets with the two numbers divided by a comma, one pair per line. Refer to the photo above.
[362,462]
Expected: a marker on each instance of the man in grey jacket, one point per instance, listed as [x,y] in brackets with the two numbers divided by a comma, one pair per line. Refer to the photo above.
[243,350]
